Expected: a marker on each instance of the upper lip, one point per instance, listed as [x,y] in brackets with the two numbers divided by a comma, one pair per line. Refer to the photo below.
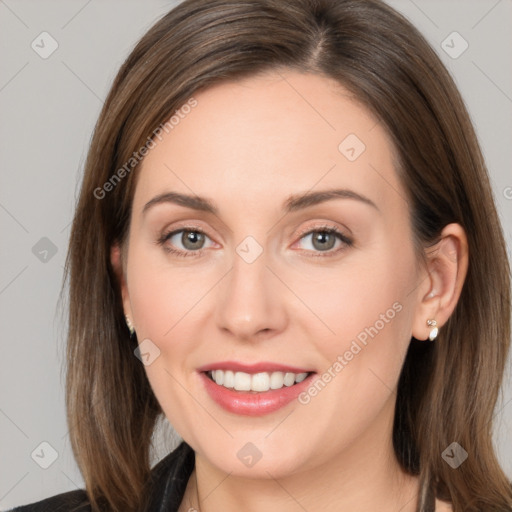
[262,366]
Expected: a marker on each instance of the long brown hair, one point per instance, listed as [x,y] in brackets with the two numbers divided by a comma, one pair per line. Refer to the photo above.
[448,389]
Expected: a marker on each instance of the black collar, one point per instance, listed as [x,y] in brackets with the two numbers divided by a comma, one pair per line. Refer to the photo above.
[169,480]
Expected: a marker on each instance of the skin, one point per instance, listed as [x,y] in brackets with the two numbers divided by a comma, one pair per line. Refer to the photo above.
[247,147]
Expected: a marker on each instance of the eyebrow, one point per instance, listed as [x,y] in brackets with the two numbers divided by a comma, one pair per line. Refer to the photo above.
[293,203]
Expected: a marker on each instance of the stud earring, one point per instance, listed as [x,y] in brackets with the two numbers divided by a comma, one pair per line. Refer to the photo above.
[434,331]
[130,325]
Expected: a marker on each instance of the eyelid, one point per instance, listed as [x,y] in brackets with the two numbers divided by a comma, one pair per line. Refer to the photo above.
[184,226]
[318,227]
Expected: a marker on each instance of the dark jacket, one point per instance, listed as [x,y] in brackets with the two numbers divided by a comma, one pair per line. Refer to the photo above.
[168,482]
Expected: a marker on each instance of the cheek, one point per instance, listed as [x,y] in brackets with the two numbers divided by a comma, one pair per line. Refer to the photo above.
[366,305]
[361,298]
[163,298]
[368,312]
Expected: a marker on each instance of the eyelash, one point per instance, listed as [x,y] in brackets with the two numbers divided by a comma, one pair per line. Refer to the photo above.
[348,242]
[320,229]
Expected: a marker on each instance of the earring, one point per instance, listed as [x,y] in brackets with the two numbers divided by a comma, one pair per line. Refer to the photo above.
[130,325]
[434,331]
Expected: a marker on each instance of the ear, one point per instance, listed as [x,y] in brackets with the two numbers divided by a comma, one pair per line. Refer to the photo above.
[442,281]
[116,259]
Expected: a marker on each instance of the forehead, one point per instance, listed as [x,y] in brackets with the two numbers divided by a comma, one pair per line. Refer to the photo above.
[269,136]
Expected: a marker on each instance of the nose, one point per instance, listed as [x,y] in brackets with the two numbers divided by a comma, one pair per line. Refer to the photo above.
[251,301]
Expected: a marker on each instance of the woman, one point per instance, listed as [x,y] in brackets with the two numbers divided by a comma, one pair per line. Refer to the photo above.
[286,243]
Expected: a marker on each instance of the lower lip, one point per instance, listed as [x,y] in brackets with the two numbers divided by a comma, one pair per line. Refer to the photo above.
[253,404]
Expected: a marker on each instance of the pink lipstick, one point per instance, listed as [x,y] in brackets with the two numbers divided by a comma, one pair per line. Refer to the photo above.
[288,381]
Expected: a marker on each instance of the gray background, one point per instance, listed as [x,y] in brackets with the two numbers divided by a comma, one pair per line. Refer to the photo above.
[48,108]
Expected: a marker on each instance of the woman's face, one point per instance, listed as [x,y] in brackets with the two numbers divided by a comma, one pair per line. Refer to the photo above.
[265,284]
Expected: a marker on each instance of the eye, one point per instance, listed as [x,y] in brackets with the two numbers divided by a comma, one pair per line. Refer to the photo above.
[325,239]
[191,241]
[185,242]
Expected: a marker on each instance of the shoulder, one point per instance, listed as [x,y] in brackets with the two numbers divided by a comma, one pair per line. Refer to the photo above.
[169,479]
[74,501]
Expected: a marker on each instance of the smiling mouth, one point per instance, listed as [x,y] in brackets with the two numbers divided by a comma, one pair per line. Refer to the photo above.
[255,382]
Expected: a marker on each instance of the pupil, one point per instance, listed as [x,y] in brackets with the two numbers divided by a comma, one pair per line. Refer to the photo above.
[322,237]
[192,239]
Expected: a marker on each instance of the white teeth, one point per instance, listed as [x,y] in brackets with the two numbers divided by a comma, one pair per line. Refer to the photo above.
[229,378]
[289,379]
[242,381]
[261,382]
[300,377]
[276,380]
